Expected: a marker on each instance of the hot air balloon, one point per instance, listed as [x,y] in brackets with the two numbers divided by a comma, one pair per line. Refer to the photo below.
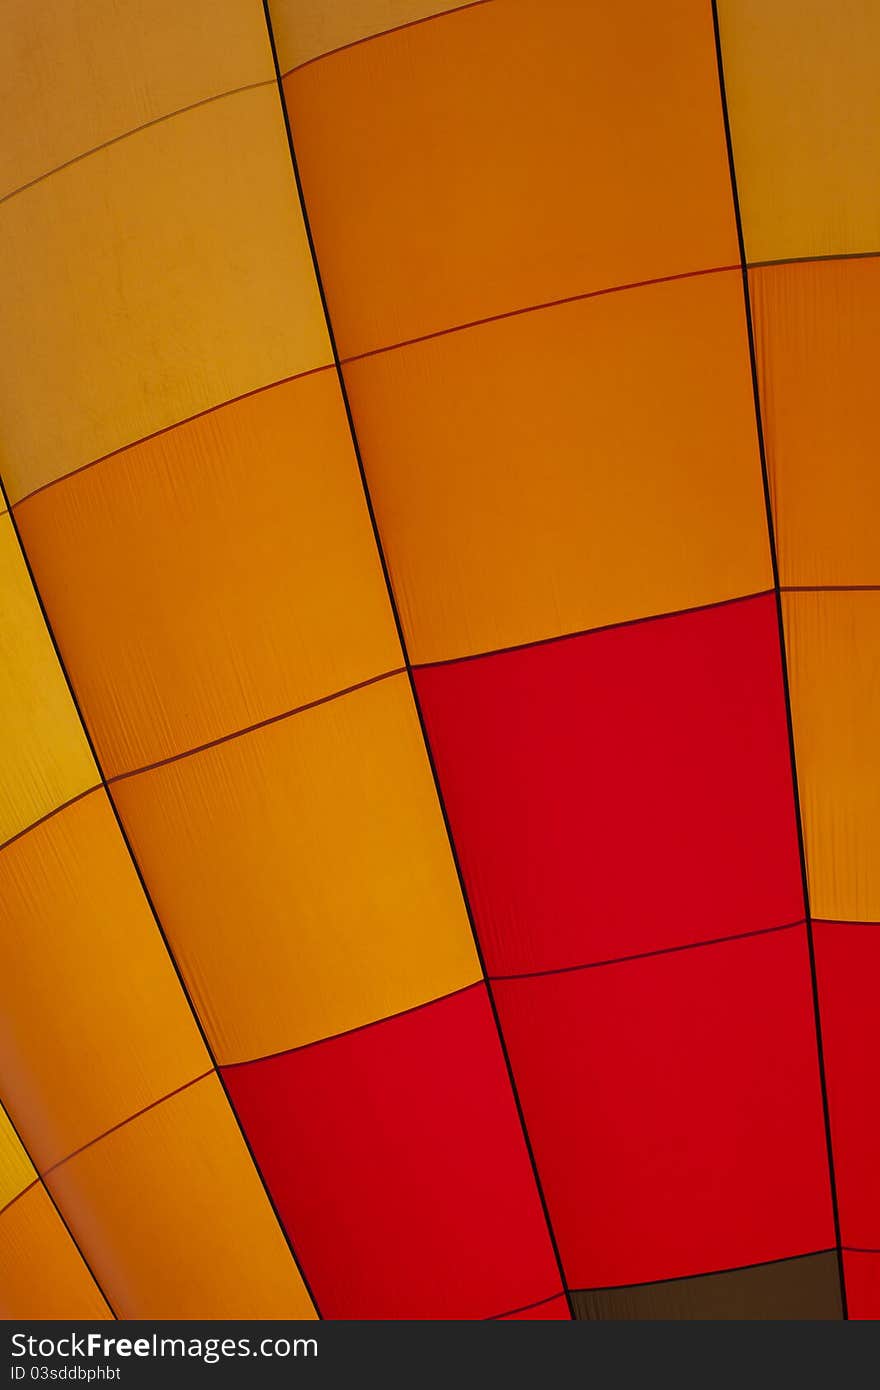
[440,660]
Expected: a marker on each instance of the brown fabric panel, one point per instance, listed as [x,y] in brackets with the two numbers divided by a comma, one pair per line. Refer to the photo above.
[807,1287]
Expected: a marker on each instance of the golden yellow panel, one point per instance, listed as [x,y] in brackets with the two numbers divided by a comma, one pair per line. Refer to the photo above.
[217,575]
[93,1022]
[43,751]
[305,29]
[804,103]
[175,1220]
[304,875]
[833,644]
[16,1169]
[577,466]
[76,75]
[816,327]
[166,274]
[42,1274]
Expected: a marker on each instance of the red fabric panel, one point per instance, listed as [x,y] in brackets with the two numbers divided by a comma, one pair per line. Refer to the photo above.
[622,791]
[674,1109]
[861,1272]
[556,1310]
[396,1158]
[848,969]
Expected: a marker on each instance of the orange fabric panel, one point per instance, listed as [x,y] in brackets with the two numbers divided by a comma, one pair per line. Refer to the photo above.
[151,283]
[93,1022]
[457,195]
[833,644]
[304,29]
[303,873]
[804,103]
[42,1274]
[816,338]
[76,75]
[214,576]
[577,466]
[174,1219]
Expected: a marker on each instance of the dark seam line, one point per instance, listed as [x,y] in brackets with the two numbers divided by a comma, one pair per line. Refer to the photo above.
[135,130]
[538,308]
[349,1032]
[35,1182]
[590,631]
[167,429]
[526,1308]
[806,260]
[58,1212]
[861,1250]
[56,810]
[152,907]
[706,1273]
[649,955]
[771,536]
[261,724]
[122,1123]
[844,922]
[381,34]
[830,588]
[409,668]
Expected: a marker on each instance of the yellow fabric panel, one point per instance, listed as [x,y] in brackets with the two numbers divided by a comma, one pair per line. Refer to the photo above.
[150,282]
[816,338]
[577,466]
[43,751]
[174,1219]
[303,873]
[75,75]
[834,658]
[304,29]
[42,1274]
[458,195]
[93,1022]
[215,576]
[804,104]
[16,1169]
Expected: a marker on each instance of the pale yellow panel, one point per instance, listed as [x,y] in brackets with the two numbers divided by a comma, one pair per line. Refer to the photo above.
[44,756]
[74,75]
[303,873]
[304,29]
[803,92]
[834,658]
[16,1169]
[163,275]
[175,1220]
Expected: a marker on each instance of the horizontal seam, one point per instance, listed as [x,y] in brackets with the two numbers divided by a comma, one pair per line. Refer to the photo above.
[590,631]
[381,34]
[828,588]
[135,130]
[261,724]
[56,810]
[843,922]
[359,1028]
[35,1182]
[806,260]
[705,1273]
[649,955]
[373,352]
[167,429]
[121,1124]
[527,1307]
[538,308]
